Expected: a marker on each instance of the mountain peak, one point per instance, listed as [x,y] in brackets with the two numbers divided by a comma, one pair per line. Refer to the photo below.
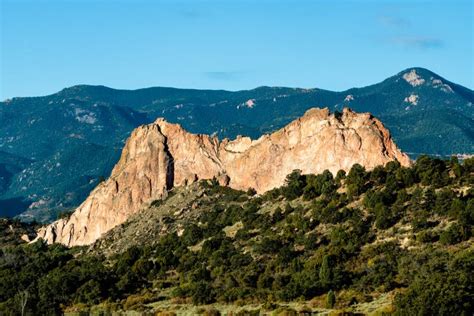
[417,76]
[419,70]
[80,88]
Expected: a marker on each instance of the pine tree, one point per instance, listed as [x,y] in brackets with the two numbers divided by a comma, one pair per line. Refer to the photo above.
[325,274]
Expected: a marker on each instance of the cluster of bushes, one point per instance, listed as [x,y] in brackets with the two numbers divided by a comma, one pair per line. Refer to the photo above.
[315,238]
[45,277]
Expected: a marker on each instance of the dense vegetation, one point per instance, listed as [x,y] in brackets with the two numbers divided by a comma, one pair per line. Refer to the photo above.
[334,242]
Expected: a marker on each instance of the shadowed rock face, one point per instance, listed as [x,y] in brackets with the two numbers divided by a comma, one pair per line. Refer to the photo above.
[161,155]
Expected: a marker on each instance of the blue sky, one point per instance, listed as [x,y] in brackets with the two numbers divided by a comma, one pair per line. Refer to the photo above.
[49,45]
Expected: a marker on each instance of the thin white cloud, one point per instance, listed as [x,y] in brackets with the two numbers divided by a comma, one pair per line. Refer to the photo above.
[419,42]
[223,75]
[393,21]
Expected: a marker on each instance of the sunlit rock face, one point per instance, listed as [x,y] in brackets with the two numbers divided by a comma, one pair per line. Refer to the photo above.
[162,155]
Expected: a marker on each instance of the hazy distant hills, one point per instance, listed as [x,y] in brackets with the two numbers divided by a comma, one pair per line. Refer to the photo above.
[54,149]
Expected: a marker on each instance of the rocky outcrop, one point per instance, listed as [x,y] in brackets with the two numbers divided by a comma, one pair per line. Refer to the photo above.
[162,155]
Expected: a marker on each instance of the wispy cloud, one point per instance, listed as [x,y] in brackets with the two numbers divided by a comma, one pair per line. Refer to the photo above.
[393,21]
[419,42]
[401,32]
[223,75]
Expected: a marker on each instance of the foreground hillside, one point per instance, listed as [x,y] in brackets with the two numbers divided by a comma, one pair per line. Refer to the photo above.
[55,149]
[393,240]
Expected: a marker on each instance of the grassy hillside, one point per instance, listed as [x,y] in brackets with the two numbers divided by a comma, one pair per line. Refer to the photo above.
[391,241]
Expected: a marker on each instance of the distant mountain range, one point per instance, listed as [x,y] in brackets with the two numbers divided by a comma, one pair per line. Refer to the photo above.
[55,149]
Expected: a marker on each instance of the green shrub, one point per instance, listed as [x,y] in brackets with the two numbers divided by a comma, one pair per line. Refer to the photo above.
[452,235]
[427,236]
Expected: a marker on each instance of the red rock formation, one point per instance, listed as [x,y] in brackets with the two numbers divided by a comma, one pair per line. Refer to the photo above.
[161,155]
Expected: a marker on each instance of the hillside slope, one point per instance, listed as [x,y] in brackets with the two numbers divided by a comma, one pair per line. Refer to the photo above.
[393,240]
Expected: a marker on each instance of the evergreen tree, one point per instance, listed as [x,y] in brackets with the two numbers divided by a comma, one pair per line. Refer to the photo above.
[330,299]
[356,180]
[325,273]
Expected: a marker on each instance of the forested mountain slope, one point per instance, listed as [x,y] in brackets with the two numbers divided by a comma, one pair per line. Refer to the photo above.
[65,143]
